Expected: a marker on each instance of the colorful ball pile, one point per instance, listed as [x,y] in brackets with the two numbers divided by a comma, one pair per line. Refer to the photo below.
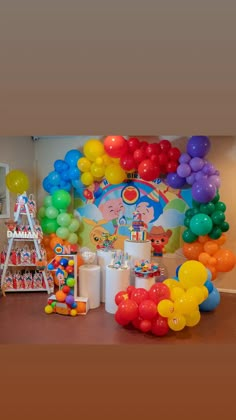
[172,305]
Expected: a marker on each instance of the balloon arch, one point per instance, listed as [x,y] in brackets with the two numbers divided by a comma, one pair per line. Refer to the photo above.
[113,159]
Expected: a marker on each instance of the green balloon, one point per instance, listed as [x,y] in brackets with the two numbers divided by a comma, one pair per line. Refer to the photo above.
[51,212]
[73,238]
[224,226]
[62,232]
[49,225]
[220,206]
[216,198]
[188,236]
[189,213]
[207,208]
[74,225]
[47,201]
[63,219]
[187,221]
[218,217]
[61,199]
[70,282]
[215,233]
[195,204]
[201,224]
[41,212]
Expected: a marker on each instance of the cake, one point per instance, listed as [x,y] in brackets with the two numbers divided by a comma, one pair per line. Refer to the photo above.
[138,229]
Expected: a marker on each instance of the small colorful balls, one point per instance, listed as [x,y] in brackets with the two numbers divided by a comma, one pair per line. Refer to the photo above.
[64,262]
[66,289]
[73,312]
[60,296]
[71,263]
[50,266]
[70,282]
[53,304]
[48,309]
[69,300]
[69,269]
[74,305]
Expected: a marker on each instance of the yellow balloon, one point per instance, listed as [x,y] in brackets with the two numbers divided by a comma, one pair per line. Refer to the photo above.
[106,160]
[84,164]
[171,283]
[93,149]
[97,171]
[192,273]
[99,161]
[193,318]
[115,174]
[17,182]
[87,178]
[176,292]
[197,293]
[177,322]
[48,309]
[205,292]
[165,308]
[185,304]
[73,312]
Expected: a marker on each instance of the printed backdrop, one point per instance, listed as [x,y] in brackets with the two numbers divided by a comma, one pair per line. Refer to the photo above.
[109,208]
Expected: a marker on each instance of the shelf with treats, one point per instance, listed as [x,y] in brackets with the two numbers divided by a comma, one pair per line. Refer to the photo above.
[24,228]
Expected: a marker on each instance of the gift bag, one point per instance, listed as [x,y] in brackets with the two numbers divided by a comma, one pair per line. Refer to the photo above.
[50,281]
[19,280]
[32,205]
[25,255]
[37,280]
[8,281]
[28,280]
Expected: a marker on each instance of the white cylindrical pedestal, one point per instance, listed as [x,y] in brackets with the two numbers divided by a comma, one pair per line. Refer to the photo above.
[137,251]
[144,283]
[89,284]
[104,259]
[117,279]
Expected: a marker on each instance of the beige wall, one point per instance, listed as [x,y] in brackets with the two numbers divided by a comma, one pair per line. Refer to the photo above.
[18,153]
[40,156]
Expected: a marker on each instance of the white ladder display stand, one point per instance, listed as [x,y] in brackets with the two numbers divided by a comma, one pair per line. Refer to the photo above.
[31,236]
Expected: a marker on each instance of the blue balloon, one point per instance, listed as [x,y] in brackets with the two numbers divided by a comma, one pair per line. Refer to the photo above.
[65,175]
[209,275]
[60,165]
[72,157]
[74,305]
[46,185]
[209,286]
[54,178]
[53,189]
[177,270]
[74,173]
[211,302]
[64,185]
[77,184]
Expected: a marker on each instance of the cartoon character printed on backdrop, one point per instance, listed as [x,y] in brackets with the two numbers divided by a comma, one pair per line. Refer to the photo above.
[159,239]
[149,209]
[113,210]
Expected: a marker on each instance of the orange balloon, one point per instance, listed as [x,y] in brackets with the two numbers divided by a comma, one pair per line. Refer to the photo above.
[210,247]
[203,239]
[80,260]
[192,250]
[225,260]
[221,240]
[204,258]
[46,240]
[54,241]
[213,271]
[212,261]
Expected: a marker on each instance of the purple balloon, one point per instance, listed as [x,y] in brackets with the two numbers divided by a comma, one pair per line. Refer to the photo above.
[174,180]
[215,179]
[69,299]
[203,191]
[198,146]
[184,158]
[208,169]
[196,164]
[199,176]
[190,179]
[184,170]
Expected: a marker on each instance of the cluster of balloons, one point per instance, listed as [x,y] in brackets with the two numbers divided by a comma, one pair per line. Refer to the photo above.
[65,174]
[54,217]
[209,252]
[149,160]
[205,219]
[17,182]
[195,171]
[172,305]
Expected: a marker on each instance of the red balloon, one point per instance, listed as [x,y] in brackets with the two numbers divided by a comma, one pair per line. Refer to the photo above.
[69,269]
[152,149]
[87,194]
[133,144]
[139,155]
[120,320]
[158,292]
[165,145]
[115,146]
[120,296]
[139,294]
[162,159]
[130,290]
[160,326]
[128,310]
[66,289]
[171,166]
[174,153]
[145,325]
[147,309]
[148,170]
[136,322]
[143,145]
[127,162]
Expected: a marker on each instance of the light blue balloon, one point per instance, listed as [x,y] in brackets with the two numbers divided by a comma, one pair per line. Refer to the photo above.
[209,275]
[54,178]
[72,157]
[211,302]
[209,286]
